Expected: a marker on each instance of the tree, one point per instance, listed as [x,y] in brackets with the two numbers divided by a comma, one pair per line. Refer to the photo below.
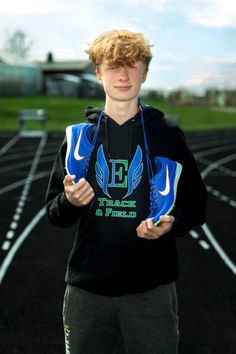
[17,47]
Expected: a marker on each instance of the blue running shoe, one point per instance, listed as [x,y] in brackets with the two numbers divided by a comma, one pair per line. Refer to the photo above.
[79,150]
[163,187]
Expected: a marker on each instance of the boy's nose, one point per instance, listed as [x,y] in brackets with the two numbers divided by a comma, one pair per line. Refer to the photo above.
[123,73]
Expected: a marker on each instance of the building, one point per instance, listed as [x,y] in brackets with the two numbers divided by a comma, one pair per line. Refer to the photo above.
[20,79]
[69,78]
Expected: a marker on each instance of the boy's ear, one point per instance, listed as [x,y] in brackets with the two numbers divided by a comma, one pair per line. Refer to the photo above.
[98,75]
[145,75]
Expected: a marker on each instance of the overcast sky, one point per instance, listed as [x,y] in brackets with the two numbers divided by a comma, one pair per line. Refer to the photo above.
[194,40]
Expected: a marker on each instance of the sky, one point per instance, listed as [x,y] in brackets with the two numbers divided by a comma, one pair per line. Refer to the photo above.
[194,41]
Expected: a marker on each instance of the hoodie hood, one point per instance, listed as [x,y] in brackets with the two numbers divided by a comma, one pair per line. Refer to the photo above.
[150,113]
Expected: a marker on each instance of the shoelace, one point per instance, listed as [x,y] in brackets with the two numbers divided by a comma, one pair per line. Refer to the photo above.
[97,129]
[87,159]
[153,188]
[149,164]
[153,196]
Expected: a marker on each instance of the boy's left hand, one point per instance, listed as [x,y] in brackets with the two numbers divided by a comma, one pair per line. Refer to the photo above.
[151,232]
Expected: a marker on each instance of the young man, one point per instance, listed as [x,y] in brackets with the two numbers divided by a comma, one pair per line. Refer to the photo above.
[118,176]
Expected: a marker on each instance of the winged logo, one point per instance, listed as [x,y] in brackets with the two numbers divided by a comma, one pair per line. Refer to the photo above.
[102,171]
[135,171]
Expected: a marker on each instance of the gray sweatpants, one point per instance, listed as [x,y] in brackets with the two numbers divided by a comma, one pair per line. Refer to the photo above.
[143,323]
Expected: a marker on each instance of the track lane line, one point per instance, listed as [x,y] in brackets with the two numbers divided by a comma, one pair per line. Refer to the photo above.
[219,249]
[9,144]
[217,163]
[229,263]
[215,150]
[22,182]
[27,185]
[10,255]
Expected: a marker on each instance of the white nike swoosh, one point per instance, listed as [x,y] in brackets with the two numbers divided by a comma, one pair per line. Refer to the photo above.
[167,188]
[76,152]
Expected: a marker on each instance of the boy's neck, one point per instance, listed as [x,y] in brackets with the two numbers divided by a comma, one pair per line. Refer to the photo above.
[121,111]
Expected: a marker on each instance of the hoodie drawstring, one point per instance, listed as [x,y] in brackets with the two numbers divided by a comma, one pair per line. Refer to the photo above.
[131,138]
[149,164]
[106,137]
[97,129]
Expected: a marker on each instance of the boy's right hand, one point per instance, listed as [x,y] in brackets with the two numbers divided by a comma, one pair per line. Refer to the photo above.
[78,194]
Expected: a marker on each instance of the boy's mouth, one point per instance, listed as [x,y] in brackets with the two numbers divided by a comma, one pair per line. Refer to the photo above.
[123,88]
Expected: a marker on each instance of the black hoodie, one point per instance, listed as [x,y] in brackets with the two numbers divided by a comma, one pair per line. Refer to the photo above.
[107,256]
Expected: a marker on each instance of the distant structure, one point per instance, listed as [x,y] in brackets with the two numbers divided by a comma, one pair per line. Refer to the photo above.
[69,78]
[50,58]
[20,79]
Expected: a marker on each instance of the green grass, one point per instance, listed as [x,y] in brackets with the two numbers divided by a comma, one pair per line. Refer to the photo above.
[62,111]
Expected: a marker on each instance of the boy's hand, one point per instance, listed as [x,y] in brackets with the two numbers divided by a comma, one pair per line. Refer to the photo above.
[151,232]
[78,194]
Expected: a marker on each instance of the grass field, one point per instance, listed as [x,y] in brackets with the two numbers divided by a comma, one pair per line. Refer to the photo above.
[62,111]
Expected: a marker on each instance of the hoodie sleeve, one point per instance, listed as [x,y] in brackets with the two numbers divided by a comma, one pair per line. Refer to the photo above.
[59,210]
[191,201]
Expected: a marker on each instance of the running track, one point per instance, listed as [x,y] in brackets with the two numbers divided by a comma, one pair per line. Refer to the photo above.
[33,253]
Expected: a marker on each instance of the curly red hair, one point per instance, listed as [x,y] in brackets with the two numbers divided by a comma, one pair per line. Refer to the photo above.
[119,47]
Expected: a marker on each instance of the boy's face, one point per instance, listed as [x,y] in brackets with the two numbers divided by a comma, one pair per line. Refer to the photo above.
[122,83]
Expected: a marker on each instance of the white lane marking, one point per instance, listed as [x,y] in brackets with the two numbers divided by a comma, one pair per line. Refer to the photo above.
[194,234]
[6,245]
[233,203]
[219,249]
[217,163]
[10,255]
[221,196]
[13,225]
[16,217]
[215,192]
[204,244]
[10,234]
[9,144]
[224,198]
